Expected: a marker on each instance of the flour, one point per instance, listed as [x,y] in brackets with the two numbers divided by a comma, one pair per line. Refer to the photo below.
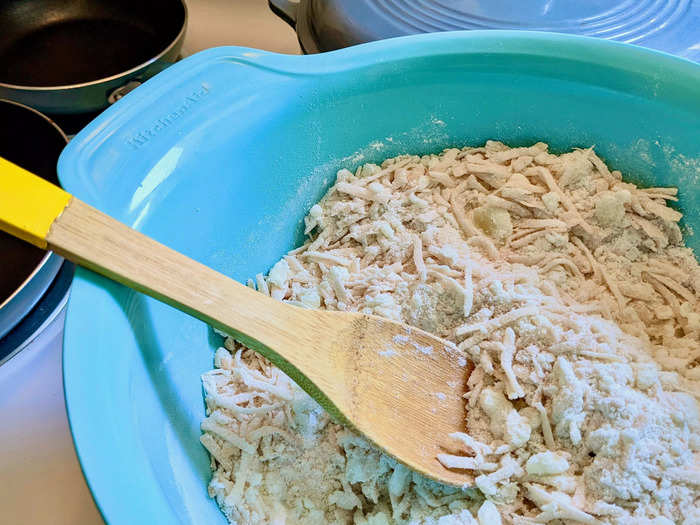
[569,289]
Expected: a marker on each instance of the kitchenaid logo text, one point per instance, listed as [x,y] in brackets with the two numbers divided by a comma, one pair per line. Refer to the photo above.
[159,125]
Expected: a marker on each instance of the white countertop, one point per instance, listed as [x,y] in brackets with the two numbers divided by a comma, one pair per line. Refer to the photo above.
[248,23]
[40,478]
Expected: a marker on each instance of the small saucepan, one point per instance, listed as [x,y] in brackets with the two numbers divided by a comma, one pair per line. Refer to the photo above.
[34,142]
[68,57]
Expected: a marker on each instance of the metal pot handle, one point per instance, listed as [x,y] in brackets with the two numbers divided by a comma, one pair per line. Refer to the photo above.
[122,91]
[133,83]
[286,9]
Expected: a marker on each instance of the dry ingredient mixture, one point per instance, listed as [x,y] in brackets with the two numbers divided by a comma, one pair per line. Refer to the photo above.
[570,290]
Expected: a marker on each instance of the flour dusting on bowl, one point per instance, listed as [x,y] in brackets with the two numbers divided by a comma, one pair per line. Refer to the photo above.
[569,289]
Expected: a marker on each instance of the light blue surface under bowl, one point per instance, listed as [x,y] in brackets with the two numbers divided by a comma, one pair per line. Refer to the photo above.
[221,156]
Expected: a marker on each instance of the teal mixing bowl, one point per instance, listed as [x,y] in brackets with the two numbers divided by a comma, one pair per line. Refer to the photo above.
[221,155]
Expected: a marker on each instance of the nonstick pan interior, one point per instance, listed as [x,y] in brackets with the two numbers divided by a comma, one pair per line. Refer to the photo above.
[30,141]
[53,43]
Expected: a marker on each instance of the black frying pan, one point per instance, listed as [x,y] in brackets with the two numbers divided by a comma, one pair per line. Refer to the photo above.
[70,56]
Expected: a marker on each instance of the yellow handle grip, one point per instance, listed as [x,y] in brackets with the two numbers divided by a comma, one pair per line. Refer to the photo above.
[28,204]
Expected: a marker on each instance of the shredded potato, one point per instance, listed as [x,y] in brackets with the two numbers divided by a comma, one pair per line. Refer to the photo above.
[570,290]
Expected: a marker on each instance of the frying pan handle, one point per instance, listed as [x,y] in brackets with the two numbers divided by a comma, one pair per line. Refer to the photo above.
[286,9]
[133,83]
[122,91]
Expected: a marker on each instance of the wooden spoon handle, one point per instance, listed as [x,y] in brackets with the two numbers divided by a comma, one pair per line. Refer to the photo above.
[47,216]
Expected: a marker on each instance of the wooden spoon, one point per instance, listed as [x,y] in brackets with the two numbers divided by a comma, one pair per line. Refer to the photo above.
[399,386]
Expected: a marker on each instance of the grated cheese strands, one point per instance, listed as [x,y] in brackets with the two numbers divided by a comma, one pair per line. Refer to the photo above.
[570,290]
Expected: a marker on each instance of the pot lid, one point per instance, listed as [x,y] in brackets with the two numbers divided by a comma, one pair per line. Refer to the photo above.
[666,25]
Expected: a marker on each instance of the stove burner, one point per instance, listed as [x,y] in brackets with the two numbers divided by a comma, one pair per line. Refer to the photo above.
[45,311]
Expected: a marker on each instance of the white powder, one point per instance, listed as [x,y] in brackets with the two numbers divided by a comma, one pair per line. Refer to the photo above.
[388,352]
[571,292]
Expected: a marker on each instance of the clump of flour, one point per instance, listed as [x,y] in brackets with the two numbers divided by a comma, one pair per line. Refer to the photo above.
[569,289]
